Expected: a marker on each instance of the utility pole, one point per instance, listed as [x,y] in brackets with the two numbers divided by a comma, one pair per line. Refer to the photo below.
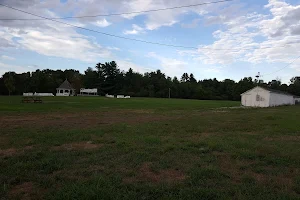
[169,93]
[257,77]
[257,95]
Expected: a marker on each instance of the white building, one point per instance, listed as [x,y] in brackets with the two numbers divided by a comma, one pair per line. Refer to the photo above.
[88,92]
[265,97]
[30,94]
[65,89]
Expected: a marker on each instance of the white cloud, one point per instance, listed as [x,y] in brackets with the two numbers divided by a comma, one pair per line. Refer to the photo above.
[192,24]
[296,65]
[4,57]
[46,37]
[135,30]
[158,19]
[114,48]
[126,64]
[49,38]
[102,23]
[6,40]
[277,41]
[170,66]
[154,20]
[244,35]
[15,68]
[65,45]
[154,24]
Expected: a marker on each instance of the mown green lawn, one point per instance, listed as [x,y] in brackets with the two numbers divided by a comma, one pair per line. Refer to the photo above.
[97,148]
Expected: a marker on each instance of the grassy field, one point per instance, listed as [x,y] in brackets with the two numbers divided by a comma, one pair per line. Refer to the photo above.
[97,148]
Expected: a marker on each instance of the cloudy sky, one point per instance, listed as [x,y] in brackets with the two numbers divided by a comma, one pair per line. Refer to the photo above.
[229,40]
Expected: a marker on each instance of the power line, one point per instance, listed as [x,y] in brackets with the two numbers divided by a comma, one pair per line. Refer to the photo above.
[95,31]
[128,13]
[132,39]
[283,67]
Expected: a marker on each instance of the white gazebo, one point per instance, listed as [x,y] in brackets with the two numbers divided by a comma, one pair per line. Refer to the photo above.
[65,89]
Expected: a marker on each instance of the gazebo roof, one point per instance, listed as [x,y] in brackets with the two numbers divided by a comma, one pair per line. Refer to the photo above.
[66,85]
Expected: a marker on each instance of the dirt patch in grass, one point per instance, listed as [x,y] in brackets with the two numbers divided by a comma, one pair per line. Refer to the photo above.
[25,191]
[228,166]
[78,172]
[77,146]
[13,151]
[141,111]
[4,140]
[283,138]
[197,136]
[79,119]
[251,133]
[203,135]
[8,152]
[146,174]
[220,111]
[236,170]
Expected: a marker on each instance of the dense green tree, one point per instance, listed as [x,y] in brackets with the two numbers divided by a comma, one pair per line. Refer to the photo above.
[294,87]
[90,78]
[274,84]
[108,78]
[10,83]
[185,77]
[192,79]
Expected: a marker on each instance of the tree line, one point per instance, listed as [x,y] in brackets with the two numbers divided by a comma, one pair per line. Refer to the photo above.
[109,79]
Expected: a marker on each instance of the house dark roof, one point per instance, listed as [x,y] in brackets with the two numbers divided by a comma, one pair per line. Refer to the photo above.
[276,91]
[66,85]
[273,91]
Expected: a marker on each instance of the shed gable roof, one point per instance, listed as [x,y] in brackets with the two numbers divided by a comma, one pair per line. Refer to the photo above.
[270,90]
[277,91]
[251,90]
[66,85]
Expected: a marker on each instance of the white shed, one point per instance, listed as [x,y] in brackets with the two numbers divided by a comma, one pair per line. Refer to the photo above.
[266,97]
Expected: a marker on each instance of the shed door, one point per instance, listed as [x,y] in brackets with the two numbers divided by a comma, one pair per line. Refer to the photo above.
[247,100]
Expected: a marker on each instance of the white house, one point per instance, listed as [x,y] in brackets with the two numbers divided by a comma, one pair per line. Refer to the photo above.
[65,89]
[265,97]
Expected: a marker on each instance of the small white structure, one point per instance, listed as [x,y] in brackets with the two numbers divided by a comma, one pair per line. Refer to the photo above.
[266,97]
[43,94]
[120,96]
[38,94]
[123,97]
[28,94]
[65,89]
[88,92]
[109,96]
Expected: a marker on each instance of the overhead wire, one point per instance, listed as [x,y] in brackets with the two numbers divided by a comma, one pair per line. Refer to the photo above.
[127,13]
[100,32]
[137,40]
[133,39]
[282,68]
